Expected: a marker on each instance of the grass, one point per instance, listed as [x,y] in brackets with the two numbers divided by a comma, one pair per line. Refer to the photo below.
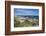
[26,23]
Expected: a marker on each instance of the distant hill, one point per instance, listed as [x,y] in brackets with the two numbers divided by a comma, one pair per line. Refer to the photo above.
[36,17]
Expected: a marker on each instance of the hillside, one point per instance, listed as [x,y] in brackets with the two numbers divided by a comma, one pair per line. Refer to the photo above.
[24,21]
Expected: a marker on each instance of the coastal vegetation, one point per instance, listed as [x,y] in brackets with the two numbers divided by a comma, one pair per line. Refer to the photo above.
[25,23]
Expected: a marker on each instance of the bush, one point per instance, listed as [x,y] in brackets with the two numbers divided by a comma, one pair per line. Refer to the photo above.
[16,23]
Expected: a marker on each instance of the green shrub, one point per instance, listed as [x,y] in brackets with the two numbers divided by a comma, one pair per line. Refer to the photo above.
[16,23]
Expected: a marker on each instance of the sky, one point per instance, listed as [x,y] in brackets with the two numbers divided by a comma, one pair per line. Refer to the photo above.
[24,11]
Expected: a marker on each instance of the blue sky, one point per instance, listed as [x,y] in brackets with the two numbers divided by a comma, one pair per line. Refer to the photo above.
[23,11]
